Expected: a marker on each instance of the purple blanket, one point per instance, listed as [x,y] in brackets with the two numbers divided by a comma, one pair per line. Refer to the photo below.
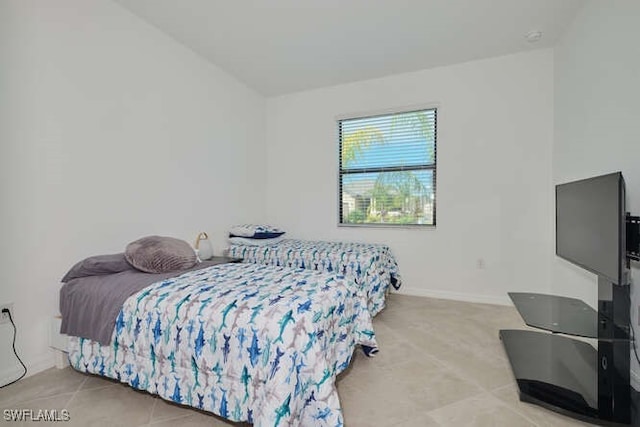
[90,305]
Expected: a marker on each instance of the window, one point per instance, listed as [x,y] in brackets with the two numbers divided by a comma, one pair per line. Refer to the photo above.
[388,169]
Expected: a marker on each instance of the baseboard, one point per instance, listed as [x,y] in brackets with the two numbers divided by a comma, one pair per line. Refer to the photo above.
[457,296]
[34,365]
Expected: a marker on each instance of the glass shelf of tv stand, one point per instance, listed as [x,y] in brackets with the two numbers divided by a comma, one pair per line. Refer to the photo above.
[557,314]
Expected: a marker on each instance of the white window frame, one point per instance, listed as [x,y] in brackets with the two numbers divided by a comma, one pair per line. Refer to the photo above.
[385,112]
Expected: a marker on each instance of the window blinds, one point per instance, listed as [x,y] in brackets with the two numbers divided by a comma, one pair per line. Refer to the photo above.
[388,169]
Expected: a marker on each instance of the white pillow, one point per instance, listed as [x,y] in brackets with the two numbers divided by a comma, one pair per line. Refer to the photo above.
[254,242]
[255,231]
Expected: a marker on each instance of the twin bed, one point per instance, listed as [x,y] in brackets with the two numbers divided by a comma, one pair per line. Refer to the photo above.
[372,267]
[246,341]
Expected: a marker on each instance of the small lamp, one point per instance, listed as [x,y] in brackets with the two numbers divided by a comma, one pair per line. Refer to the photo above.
[203,247]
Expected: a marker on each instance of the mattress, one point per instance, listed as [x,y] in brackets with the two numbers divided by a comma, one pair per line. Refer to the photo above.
[90,305]
[248,342]
[372,267]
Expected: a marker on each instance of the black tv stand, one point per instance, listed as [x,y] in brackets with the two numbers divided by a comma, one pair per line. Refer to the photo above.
[539,363]
[568,375]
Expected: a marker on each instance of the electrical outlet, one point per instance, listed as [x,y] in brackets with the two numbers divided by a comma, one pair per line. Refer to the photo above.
[4,317]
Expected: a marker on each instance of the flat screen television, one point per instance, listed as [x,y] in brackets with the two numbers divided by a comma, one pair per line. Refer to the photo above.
[590,225]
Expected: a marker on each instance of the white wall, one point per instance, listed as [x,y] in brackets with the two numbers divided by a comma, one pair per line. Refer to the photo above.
[597,119]
[109,131]
[494,193]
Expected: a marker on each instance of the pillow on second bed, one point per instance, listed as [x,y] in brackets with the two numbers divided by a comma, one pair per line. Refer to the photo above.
[158,254]
[252,231]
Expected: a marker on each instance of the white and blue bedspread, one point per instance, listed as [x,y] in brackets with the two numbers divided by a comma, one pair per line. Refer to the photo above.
[371,266]
[248,342]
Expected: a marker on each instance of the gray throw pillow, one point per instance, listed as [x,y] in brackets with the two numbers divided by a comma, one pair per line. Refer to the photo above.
[97,266]
[158,254]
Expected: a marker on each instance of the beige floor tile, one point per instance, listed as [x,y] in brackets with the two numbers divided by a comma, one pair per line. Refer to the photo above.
[164,410]
[437,390]
[418,370]
[116,405]
[480,411]
[476,364]
[396,319]
[441,363]
[382,404]
[55,403]
[195,420]
[384,334]
[95,381]
[169,413]
[500,318]
[489,372]
[399,393]
[44,384]
[398,352]
[419,420]
[542,417]
[399,301]
[495,350]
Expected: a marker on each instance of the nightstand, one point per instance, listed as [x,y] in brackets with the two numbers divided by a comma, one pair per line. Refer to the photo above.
[222,260]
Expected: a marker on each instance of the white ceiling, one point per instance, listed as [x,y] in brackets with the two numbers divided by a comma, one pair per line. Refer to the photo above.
[282,46]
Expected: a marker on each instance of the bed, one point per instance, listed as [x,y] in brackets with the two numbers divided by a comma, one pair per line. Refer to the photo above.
[371,266]
[248,342]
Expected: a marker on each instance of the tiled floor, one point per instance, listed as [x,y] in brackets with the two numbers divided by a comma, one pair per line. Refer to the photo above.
[440,364]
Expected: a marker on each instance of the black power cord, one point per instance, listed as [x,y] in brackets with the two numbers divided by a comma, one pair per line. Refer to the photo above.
[15,331]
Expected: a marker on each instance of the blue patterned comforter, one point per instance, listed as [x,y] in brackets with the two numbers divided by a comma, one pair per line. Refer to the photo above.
[247,342]
[372,267]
